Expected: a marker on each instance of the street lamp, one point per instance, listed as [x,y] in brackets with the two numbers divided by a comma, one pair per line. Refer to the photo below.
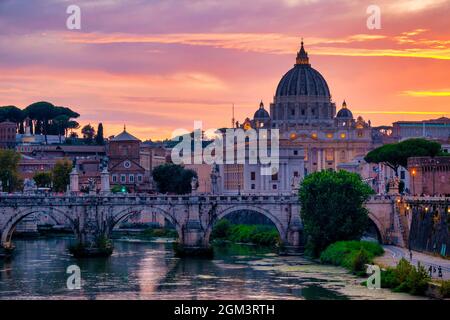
[413,173]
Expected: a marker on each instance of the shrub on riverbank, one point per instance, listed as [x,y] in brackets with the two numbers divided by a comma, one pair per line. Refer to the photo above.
[254,234]
[352,255]
[405,278]
[159,233]
[444,289]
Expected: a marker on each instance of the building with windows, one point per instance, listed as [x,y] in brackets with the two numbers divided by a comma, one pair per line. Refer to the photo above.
[437,129]
[124,165]
[429,176]
[313,136]
[7,135]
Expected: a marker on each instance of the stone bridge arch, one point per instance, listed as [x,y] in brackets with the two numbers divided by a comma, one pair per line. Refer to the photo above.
[222,213]
[58,215]
[122,214]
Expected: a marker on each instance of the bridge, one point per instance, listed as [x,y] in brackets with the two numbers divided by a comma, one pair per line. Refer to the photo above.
[93,217]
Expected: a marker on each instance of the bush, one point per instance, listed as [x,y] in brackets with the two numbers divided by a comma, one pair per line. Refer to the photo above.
[221,230]
[444,290]
[160,233]
[359,260]
[255,234]
[406,278]
[352,255]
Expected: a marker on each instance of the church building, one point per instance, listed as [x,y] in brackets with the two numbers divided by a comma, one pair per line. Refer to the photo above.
[313,136]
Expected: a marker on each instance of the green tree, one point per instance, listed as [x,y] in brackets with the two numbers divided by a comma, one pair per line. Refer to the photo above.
[43,179]
[172,178]
[333,208]
[88,132]
[61,175]
[395,155]
[9,162]
[99,139]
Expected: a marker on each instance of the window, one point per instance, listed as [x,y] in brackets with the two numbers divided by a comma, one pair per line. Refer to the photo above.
[295,152]
[274,187]
[131,178]
[402,174]
[253,175]
[114,178]
[295,173]
[253,186]
[275,177]
[303,112]
[329,155]
[123,178]
[139,178]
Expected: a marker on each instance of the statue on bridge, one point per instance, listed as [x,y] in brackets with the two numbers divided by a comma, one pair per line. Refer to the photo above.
[194,184]
[215,179]
[29,185]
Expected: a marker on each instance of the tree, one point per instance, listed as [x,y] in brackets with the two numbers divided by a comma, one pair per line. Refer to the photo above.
[49,119]
[13,114]
[41,112]
[395,155]
[61,122]
[9,162]
[333,208]
[172,178]
[43,179]
[88,132]
[61,175]
[99,139]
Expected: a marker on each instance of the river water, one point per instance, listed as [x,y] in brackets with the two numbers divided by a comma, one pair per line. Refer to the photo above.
[149,270]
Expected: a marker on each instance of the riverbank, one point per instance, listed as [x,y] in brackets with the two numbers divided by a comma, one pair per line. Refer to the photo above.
[400,276]
[149,269]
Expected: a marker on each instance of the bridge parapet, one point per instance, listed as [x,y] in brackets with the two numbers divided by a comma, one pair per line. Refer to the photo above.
[63,200]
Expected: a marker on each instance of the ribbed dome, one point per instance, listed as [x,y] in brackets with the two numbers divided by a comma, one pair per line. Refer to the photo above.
[303,80]
[344,112]
[261,113]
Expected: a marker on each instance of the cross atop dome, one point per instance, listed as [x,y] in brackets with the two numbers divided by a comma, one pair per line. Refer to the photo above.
[302,56]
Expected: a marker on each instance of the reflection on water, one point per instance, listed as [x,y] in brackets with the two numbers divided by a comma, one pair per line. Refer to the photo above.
[149,270]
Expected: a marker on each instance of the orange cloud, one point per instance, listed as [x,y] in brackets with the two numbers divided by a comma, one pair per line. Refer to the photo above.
[275,43]
[411,93]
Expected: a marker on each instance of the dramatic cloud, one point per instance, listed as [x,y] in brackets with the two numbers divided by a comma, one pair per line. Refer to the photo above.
[159,65]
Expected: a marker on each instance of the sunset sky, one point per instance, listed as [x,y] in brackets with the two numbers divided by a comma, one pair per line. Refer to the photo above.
[159,65]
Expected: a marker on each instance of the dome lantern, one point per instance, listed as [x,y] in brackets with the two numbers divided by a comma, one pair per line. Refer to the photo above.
[302,56]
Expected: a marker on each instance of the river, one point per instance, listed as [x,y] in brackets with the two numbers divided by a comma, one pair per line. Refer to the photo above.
[149,270]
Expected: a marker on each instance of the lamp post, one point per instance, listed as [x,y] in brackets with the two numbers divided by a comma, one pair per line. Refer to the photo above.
[433,166]
[413,173]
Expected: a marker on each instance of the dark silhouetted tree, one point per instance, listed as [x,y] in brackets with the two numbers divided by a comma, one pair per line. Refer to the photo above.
[99,139]
[172,178]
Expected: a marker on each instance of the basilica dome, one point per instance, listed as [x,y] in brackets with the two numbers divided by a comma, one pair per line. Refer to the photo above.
[261,113]
[344,112]
[303,80]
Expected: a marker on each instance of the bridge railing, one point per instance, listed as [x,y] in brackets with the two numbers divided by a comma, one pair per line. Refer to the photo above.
[135,199]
